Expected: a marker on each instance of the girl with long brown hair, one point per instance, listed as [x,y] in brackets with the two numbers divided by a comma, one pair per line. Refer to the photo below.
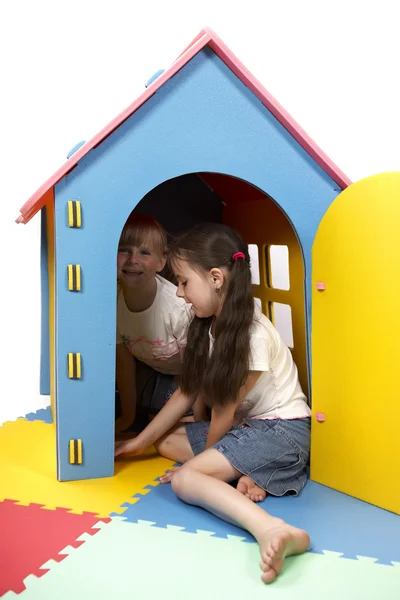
[237,364]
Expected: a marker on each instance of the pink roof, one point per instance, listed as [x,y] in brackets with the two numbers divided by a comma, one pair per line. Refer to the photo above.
[206,37]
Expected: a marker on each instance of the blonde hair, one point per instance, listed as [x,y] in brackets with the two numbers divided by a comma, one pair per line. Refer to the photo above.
[140,230]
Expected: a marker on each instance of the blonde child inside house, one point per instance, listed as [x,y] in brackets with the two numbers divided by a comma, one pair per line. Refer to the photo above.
[152,324]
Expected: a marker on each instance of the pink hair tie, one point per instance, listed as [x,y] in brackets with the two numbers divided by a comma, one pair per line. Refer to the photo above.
[238,255]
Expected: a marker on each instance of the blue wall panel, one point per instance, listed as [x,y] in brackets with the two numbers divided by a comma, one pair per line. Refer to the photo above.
[44,325]
[202,120]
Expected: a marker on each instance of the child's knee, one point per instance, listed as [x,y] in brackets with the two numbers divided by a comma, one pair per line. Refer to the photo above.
[182,482]
[174,445]
[162,445]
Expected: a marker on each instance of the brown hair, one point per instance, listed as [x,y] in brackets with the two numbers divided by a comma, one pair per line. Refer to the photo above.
[140,230]
[219,377]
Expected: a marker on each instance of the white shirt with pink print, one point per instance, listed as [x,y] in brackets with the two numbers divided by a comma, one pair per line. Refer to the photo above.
[157,335]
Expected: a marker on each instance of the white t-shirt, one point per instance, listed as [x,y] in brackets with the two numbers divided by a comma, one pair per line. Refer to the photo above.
[156,335]
[277,393]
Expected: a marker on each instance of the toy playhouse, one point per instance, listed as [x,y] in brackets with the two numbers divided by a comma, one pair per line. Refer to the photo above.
[206,141]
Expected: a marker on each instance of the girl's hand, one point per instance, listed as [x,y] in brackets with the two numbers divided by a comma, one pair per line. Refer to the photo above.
[168,475]
[132,446]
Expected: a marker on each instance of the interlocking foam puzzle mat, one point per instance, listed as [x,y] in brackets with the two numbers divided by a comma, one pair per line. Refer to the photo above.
[129,535]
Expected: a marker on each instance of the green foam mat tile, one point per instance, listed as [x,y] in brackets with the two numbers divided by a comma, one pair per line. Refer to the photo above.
[127,560]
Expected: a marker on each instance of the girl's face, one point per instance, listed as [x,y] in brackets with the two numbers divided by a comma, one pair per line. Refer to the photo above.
[137,266]
[202,290]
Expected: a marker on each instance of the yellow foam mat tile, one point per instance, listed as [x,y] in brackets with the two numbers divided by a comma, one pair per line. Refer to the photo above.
[28,473]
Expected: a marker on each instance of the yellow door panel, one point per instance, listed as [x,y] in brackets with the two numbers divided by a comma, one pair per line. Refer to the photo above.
[355,343]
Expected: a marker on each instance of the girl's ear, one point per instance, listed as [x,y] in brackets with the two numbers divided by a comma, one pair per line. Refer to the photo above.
[162,263]
[217,278]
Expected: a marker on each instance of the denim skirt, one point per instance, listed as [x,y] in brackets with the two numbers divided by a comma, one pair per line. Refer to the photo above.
[273,453]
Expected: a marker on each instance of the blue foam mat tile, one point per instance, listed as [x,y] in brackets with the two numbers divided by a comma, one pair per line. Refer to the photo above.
[340,523]
[335,522]
[43,414]
[162,506]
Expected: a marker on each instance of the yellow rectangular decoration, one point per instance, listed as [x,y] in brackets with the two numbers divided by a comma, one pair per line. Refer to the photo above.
[70,365]
[78,365]
[79,444]
[75,452]
[74,214]
[71,452]
[74,278]
[78,278]
[74,365]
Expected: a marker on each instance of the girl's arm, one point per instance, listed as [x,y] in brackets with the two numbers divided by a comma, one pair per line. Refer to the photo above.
[200,412]
[222,417]
[168,416]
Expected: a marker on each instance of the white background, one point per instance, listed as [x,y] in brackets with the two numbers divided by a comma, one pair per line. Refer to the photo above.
[68,68]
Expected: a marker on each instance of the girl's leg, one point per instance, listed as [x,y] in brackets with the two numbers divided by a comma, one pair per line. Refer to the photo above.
[175,445]
[203,482]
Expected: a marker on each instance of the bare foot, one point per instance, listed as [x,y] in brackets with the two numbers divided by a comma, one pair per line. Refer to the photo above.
[277,543]
[248,488]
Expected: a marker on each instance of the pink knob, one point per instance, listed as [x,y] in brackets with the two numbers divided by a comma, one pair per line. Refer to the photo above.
[320,417]
[321,286]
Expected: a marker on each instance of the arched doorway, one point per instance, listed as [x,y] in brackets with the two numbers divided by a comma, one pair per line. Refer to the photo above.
[276,254]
